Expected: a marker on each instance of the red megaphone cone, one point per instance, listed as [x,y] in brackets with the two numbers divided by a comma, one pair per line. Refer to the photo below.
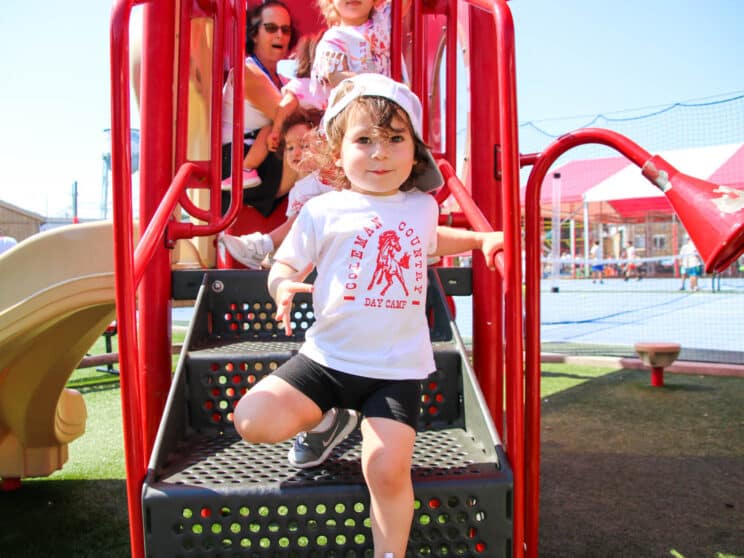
[712,214]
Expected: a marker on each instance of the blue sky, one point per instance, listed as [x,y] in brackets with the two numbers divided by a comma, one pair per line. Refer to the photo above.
[574,58]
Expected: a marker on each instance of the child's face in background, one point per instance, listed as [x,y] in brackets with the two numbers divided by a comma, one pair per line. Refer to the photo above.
[377,161]
[294,147]
[353,12]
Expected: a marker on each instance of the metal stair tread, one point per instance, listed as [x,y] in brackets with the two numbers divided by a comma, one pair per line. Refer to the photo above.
[253,347]
[223,462]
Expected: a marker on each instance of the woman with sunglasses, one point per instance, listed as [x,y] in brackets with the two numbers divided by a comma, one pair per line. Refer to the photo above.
[270,36]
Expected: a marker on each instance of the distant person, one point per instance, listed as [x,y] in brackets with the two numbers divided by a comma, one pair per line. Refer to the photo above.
[6,243]
[715,281]
[597,266]
[692,265]
[632,269]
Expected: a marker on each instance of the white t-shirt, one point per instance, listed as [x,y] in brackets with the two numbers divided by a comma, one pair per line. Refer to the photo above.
[689,256]
[253,119]
[360,49]
[305,189]
[305,97]
[369,297]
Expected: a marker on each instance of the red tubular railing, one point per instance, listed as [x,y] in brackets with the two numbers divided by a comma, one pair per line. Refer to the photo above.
[214,221]
[450,150]
[135,458]
[471,216]
[499,147]
[139,404]
[495,347]
[396,41]
[542,163]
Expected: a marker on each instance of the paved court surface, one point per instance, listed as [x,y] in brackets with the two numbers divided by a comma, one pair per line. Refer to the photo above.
[611,317]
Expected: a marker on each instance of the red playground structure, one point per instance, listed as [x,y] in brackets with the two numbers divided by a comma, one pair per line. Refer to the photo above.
[193,487]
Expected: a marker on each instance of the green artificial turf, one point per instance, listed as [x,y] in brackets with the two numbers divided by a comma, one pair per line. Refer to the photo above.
[599,426]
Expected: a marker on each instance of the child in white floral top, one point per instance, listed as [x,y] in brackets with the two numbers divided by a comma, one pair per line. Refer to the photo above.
[357,41]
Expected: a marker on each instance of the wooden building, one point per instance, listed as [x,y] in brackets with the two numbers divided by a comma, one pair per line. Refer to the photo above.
[17,222]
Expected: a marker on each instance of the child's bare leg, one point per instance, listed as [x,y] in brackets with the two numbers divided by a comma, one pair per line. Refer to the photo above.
[387,454]
[256,418]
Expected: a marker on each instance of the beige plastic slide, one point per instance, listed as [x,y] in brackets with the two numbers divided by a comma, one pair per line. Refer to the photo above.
[56,299]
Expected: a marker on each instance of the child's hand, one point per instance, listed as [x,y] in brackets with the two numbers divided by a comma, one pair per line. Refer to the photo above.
[285,292]
[272,140]
[491,244]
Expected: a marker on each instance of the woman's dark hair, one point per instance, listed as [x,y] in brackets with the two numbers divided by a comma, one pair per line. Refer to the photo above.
[254,19]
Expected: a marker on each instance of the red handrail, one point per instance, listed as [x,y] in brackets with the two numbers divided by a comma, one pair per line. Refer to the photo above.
[470,212]
[542,162]
[215,222]
[499,65]
[492,343]
[130,264]
[135,458]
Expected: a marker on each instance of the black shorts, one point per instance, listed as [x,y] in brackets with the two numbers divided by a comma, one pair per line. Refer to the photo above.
[394,399]
[262,197]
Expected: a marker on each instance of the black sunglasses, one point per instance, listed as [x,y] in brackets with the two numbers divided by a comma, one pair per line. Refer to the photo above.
[273,28]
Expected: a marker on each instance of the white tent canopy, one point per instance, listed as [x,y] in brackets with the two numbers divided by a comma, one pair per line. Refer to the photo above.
[629,183]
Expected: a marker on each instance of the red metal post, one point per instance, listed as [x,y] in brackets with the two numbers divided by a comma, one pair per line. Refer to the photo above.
[156,173]
[487,290]
[135,457]
[495,185]
[532,304]
[451,88]
[657,376]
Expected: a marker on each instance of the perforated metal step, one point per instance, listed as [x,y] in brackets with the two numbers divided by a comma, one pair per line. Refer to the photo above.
[211,494]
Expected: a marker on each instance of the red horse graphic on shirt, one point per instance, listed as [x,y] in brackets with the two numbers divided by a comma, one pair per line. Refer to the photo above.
[388,267]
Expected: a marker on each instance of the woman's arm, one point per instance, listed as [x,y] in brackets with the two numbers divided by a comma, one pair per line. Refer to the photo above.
[258,150]
[260,92]
[287,106]
[452,241]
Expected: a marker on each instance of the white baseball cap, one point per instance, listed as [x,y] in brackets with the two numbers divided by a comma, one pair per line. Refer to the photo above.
[377,85]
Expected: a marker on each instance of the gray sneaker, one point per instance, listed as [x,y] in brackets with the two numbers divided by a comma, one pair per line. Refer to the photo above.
[312,448]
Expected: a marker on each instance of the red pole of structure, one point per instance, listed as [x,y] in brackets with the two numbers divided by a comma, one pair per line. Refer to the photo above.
[156,173]
[497,312]
[532,303]
[657,376]
[135,458]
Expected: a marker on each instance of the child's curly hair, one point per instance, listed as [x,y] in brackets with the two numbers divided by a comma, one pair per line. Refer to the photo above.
[309,117]
[380,110]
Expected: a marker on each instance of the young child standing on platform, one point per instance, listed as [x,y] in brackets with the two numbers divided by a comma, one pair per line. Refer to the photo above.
[369,348]
[357,41]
